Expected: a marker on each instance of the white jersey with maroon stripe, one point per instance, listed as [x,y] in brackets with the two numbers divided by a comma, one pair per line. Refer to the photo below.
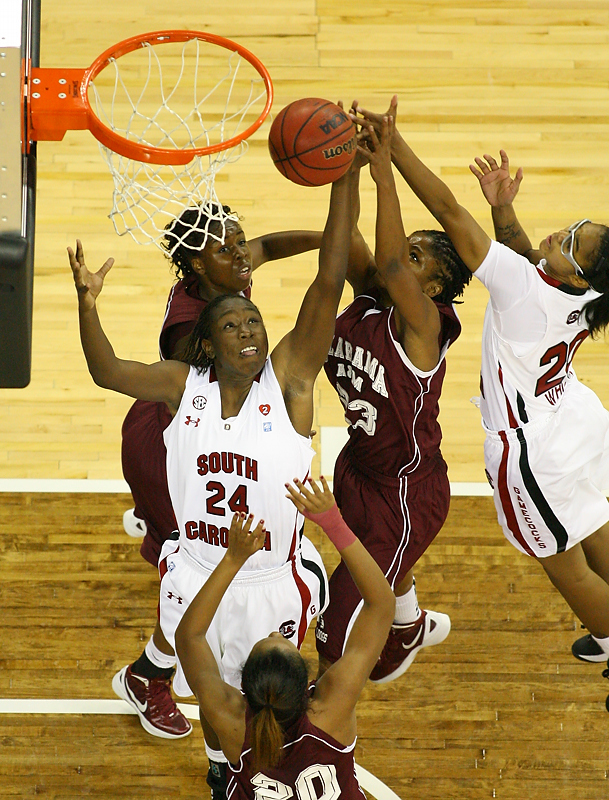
[532,329]
[216,467]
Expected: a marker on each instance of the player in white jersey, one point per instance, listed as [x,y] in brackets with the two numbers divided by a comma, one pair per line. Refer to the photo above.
[547,446]
[254,400]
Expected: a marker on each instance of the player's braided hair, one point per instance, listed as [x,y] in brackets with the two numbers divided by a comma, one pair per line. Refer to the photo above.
[275,684]
[188,232]
[194,353]
[597,311]
[454,276]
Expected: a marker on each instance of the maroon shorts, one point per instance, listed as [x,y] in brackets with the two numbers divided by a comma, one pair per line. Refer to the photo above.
[144,460]
[395,519]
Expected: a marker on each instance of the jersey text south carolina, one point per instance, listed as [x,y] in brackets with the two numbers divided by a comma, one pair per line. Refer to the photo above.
[228,463]
[219,466]
[212,534]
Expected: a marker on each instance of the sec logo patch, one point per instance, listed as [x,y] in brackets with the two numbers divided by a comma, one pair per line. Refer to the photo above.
[199,402]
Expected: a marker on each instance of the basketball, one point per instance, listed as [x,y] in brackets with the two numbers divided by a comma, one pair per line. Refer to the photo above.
[312,141]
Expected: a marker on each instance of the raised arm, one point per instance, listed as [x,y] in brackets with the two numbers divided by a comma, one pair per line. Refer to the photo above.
[418,319]
[300,355]
[469,238]
[221,705]
[361,267]
[283,244]
[163,381]
[339,688]
[500,190]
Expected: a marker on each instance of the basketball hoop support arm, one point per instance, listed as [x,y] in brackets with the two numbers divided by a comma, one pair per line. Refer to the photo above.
[55,103]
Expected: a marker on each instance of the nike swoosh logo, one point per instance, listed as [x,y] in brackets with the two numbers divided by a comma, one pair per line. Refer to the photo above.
[415,642]
[140,706]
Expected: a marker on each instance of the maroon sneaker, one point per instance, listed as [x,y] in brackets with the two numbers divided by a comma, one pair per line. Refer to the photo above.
[405,641]
[152,700]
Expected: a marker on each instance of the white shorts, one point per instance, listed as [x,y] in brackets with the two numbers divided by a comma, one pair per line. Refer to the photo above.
[550,477]
[256,603]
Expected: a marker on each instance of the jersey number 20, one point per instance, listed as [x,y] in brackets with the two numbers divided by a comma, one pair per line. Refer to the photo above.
[559,357]
[312,780]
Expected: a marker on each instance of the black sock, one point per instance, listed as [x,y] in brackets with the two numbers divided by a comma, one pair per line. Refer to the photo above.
[216,776]
[146,669]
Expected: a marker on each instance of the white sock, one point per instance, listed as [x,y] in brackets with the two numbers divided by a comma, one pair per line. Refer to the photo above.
[215,755]
[158,658]
[602,643]
[407,608]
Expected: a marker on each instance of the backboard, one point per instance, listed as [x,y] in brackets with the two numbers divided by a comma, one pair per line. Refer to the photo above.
[19,52]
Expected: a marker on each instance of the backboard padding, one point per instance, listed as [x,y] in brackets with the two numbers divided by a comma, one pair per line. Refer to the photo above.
[19,47]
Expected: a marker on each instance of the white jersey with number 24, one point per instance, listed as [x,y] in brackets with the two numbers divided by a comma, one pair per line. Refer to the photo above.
[216,467]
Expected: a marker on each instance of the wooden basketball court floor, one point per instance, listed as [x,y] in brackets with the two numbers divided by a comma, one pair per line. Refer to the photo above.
[501,709]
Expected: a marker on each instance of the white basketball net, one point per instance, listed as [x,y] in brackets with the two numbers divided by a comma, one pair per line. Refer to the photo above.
[178,95]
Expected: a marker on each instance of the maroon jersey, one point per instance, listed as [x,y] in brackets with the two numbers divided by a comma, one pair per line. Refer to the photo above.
[183,308]
[143,451]
[390,405]
[313,765]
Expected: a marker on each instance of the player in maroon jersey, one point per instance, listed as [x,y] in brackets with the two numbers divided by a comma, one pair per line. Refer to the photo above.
[279,734]
[387,365]
[219,267]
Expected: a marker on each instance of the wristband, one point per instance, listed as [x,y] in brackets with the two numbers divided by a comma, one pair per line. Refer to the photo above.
[335,527]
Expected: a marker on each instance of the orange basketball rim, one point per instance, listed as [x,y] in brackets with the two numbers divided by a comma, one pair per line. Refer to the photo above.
[58,101]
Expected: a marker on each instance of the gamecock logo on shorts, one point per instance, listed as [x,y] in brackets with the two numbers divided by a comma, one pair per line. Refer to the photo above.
[287,629]
[199,402]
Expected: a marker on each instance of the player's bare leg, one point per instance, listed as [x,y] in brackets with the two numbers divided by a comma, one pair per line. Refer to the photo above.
[596,550]
[573,573]
[405,585]
[160,641]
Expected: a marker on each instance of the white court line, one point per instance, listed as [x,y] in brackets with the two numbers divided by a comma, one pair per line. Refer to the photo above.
[367,780]
[119,486]
[374,785]
[37,706]
[62,485]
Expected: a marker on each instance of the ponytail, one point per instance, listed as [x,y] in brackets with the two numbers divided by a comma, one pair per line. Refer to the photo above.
[275,684]
[596,311]
[267,739]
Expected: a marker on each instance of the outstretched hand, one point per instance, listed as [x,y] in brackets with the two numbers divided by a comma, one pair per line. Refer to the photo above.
[313,501]
[88,284]
[497,185]
[367,118]
[242,541]
[378,149]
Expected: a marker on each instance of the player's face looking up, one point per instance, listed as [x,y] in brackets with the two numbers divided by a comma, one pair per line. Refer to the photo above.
[579,245]
[226,267]
[238,342]
[424,264]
